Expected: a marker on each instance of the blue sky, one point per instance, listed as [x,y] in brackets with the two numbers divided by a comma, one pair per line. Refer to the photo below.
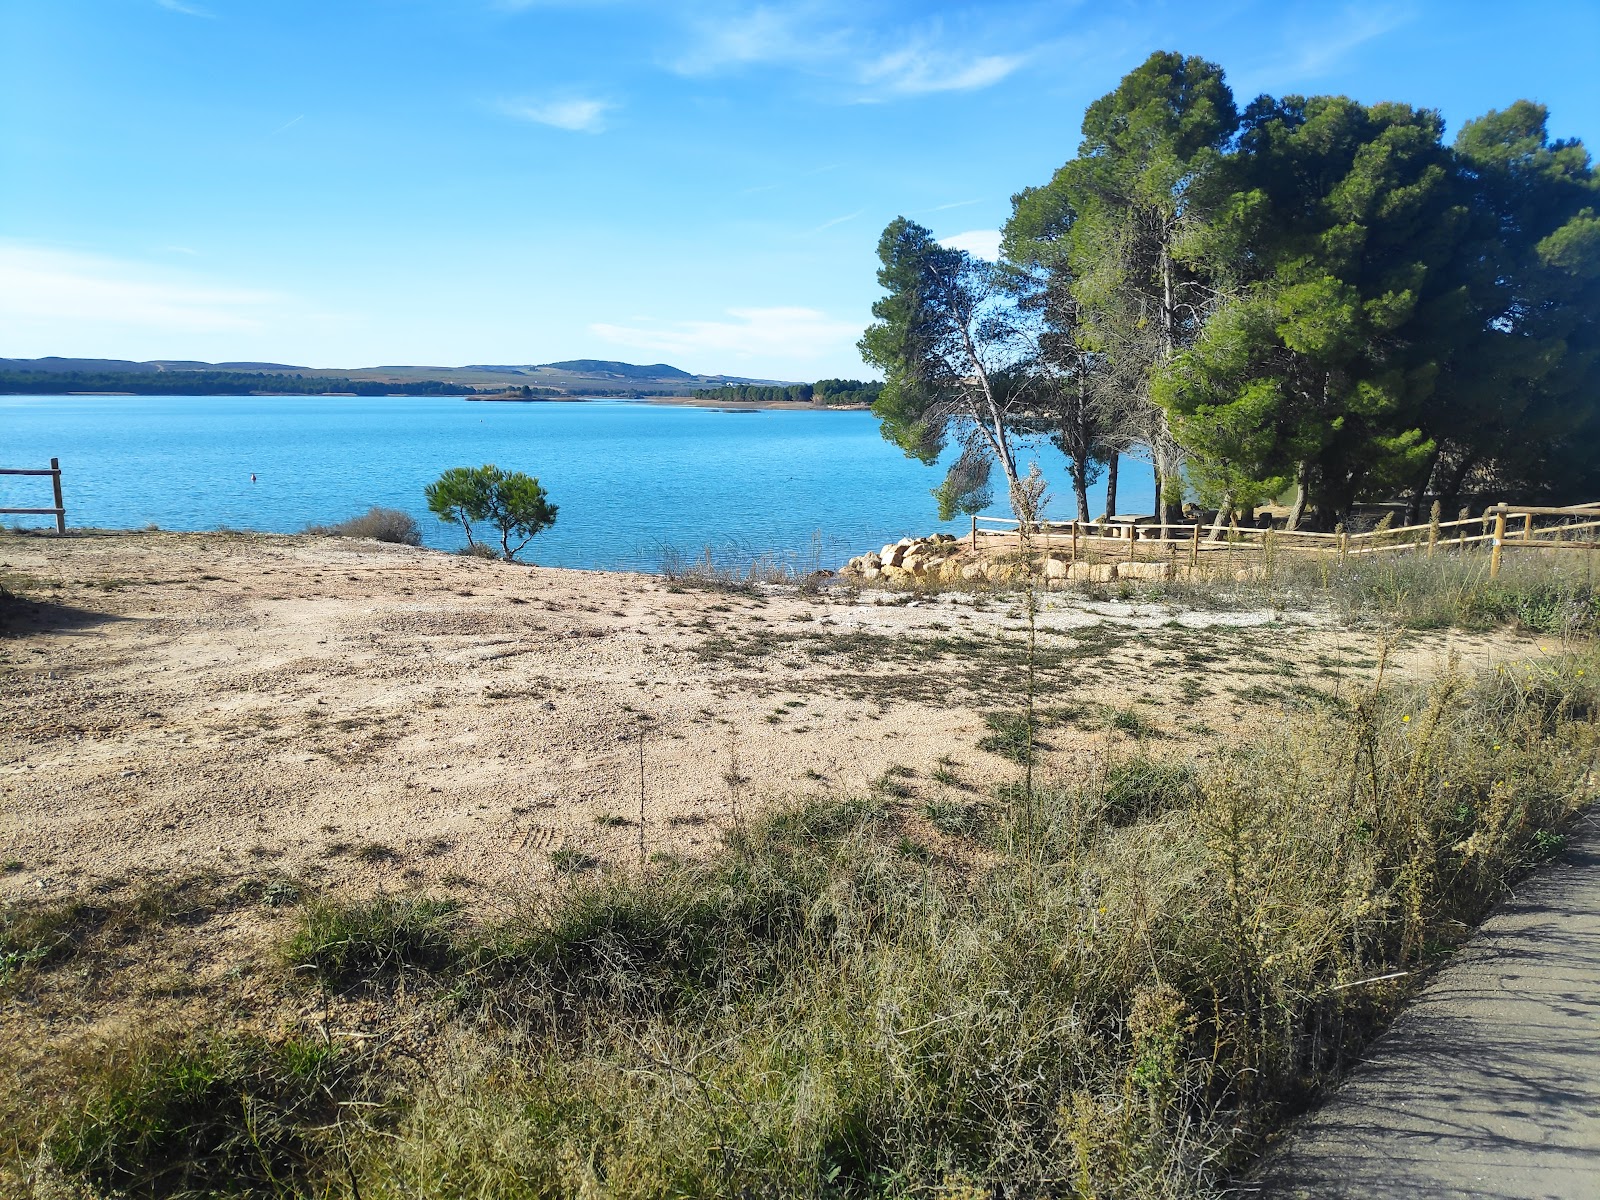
[353,182]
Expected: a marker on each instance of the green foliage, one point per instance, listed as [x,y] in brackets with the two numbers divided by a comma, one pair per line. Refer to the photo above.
[823,391]
[824,1008]
[1314,294]
[756,393]
[951,351]
[1340,219]
[240,1117]
[1142,787]
[965,489]
[511,502]
[1011,735]
[347,943]
[846,391]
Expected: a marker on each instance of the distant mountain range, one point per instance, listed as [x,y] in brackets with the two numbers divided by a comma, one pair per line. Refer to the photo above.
[578,376]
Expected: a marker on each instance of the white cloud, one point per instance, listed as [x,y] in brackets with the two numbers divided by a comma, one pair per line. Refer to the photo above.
[766,34]
[50,289]
[918,69]
[839,220]
[188,10]
[795,334]
[824,39]
[1317,50]
[980,243]
[577,116]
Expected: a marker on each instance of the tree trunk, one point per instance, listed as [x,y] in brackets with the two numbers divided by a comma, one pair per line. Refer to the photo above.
[1302,480]
[1166,471]
[1450,494]
[1080,486]
[1414,509]
[1168,305]
[1224,510]
[1111,485]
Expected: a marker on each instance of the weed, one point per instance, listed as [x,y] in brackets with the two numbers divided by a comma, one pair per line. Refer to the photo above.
[1142,787]
[1132,723]
[891,784]
[568,861]
[351,943]
[235,1116]
[1011,735]
[960,820]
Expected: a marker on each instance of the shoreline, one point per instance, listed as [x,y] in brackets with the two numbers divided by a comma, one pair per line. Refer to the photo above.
[679,402]
[666,400]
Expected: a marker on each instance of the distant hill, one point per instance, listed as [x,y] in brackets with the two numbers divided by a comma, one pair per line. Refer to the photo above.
[598,366]
[573,377]
[53,366]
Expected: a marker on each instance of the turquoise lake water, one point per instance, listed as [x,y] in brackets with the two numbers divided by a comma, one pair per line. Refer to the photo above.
[631,479]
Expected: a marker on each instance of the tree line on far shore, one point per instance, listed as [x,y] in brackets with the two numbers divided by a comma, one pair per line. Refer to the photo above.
[1307,298]
[823,391]
[214,383]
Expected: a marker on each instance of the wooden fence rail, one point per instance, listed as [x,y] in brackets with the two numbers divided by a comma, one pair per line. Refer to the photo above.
[1491,528]
[60,509]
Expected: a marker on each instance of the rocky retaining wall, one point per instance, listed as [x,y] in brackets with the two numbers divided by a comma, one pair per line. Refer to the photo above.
[943,559]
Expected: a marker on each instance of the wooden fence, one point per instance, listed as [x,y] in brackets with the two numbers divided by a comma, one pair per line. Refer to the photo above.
[1499,526]
[59,511]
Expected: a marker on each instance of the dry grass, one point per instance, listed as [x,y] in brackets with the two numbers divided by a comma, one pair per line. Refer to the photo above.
[1113,988]
[380,524]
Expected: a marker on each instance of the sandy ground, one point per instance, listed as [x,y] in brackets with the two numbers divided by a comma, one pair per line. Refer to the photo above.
[368,715]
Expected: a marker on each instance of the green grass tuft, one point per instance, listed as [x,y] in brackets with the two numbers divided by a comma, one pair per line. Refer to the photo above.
[348,944]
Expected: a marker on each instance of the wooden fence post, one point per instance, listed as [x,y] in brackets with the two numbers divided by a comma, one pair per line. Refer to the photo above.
[1461,530]
[974,531]
[1499,541]
[1433,528]
[61,508]
[1344,544]
[1527,527]
[1074,539]
[1194,544]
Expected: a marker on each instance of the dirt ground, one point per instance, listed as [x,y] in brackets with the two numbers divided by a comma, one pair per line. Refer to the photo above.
[364,715]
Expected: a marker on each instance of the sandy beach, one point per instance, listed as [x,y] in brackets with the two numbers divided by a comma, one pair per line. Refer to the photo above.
[368,714]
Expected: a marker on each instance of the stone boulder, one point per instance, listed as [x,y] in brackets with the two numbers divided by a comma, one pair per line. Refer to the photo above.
[1153,572]
[1092,572]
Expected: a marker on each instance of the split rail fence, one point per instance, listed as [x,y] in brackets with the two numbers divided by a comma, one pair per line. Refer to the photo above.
[59,511]
[1501,526]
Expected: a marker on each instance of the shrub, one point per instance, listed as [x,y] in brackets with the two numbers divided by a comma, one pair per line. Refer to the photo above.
[380,524]
[1121,1004]
[235,1116]
[1011,734]
[348,944]
[1128,1007]
[1143,787]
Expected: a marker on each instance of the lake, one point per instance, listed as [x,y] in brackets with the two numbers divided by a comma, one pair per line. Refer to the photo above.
[631,479]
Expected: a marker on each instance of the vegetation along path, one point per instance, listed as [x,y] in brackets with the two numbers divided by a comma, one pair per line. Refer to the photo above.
[341,869]
[1487,1086]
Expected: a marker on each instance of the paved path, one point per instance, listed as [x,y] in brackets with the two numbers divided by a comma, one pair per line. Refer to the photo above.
[1489,1085]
